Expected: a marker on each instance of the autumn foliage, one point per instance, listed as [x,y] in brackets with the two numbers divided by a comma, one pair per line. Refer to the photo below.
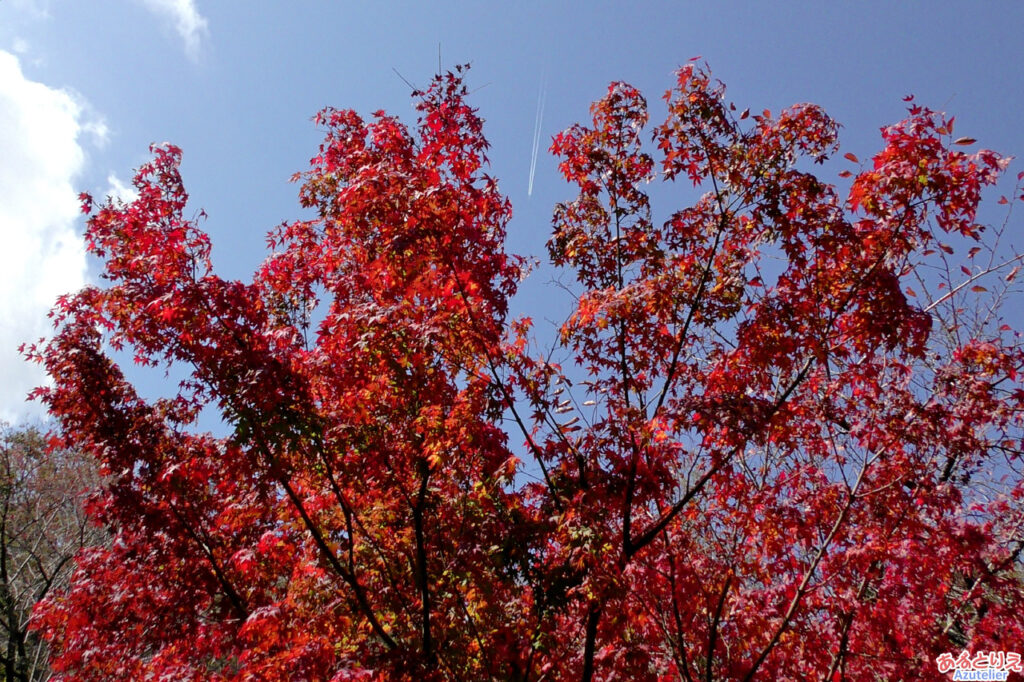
[785,442]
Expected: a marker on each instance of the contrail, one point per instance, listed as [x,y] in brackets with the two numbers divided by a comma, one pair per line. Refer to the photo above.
[538,119]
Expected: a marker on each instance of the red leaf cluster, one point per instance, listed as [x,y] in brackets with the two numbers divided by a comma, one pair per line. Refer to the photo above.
[767,462]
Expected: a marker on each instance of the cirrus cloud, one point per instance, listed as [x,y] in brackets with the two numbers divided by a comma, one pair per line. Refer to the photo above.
[188,22]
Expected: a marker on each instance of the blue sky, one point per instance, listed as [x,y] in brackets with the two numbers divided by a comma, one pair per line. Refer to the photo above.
[85,87]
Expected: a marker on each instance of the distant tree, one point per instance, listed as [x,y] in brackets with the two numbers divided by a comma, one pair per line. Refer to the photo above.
[785,442]
[42,527]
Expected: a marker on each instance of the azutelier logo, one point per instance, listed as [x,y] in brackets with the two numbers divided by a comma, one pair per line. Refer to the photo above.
[982,665]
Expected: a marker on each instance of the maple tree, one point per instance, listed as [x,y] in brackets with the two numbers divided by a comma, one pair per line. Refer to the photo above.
[785,442]
[42,526]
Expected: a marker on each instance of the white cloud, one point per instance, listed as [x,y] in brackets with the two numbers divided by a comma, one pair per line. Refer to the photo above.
[40,9]
[97,127]
[188,22]
[119,190]
[43,255]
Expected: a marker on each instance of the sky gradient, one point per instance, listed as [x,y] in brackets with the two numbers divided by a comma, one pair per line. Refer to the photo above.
[85,87]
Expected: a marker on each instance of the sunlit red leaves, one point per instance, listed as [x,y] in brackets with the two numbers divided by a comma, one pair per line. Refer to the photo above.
[917,169]
[810,369]
[756,440]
